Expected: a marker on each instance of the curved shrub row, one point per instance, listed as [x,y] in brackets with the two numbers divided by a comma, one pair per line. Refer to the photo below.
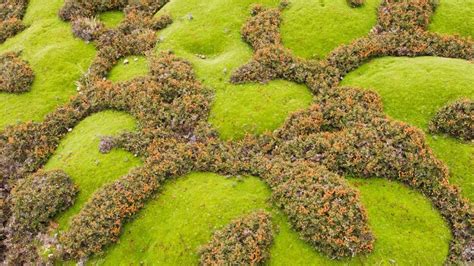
[169,105]
[15,74]
[35,200]
[455,119]
[245,241]
[11,14]
[135,35]
[346,130]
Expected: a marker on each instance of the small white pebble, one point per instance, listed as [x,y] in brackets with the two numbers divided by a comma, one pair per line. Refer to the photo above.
[125,61]
[69,129]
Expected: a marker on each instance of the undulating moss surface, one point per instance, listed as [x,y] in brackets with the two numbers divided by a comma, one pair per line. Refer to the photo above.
[454,17]
[213,44]
[129,68]
[413,90]
[171,227]
[56,58]
[313,28]
[78,155]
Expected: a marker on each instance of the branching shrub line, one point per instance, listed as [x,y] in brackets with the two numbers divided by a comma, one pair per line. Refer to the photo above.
[303,162]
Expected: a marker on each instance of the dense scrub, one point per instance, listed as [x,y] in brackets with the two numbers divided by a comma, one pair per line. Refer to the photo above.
[35,200]
[11,13]
[455,119]
[344,132]
[245,241]
[15,74]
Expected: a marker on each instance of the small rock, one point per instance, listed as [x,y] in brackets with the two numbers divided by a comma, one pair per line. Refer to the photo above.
[125,62]
[69,129]
[190,16]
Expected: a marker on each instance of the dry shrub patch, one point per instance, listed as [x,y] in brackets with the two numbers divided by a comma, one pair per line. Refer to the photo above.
[344,132]
[35,200]
[11,14]
[15,74]
[245,241]
[455,119]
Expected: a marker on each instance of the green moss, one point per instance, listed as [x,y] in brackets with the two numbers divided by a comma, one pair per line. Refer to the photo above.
[171,227]
[408,230]
[112,18]
[245,109]
[412,90]
[313,28]
[136,66]
[78,155]
[57,59]
[454,17]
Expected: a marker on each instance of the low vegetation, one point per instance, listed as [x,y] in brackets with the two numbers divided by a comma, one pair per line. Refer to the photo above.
[456,119]
[245,241]
[304,161]
[15,74]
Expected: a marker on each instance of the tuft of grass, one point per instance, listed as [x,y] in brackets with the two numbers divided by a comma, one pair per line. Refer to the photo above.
[313,28]
[78,155]
[454,17]
[413,90]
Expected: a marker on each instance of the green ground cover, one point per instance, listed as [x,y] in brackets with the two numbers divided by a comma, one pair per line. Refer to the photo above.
[57,59]
[454,17]
[78,155]
[173,225]
[412,90]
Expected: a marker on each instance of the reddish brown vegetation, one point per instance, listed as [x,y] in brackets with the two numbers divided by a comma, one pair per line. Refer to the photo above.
[343,132]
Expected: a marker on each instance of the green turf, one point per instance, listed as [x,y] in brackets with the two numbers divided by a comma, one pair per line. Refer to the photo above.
[454,17]
[57,59]
[136,66]
[79,156]
[111,18]
[172,227]
[238,109]
[313,28]
[412,90]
